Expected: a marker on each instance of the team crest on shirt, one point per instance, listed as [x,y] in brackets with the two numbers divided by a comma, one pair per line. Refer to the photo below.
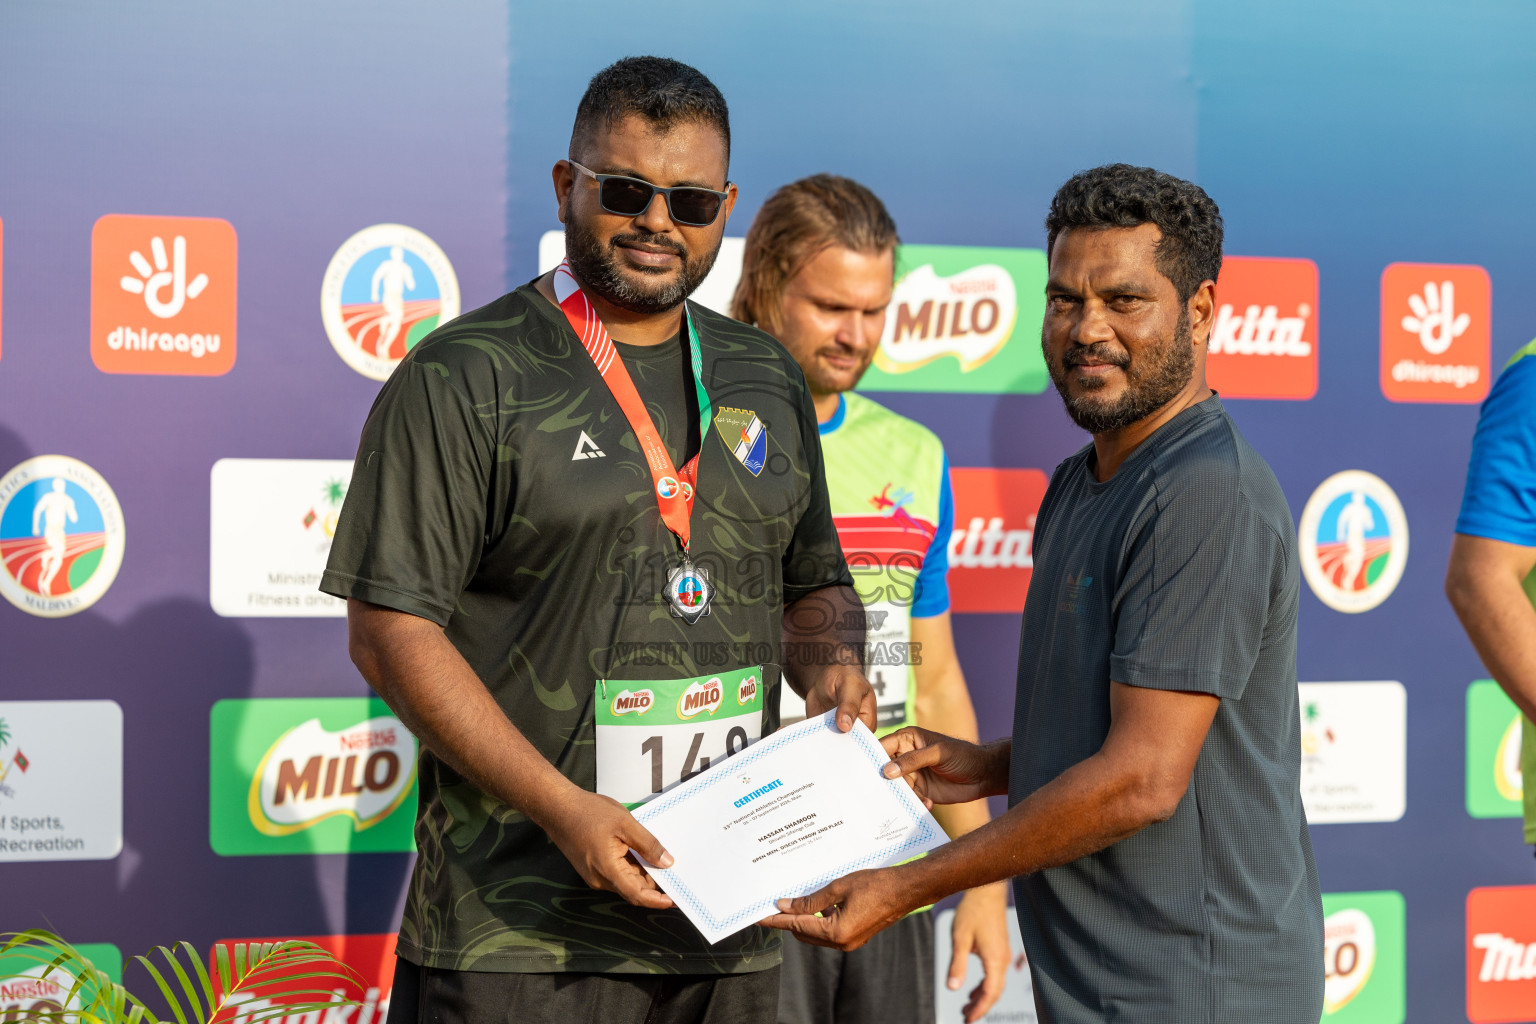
[745,436]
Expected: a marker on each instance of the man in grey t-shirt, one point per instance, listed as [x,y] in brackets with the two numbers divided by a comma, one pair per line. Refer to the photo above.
[1156,833]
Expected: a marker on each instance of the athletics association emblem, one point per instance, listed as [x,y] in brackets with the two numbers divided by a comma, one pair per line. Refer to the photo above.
[744,435]
[386,288]
[1354,541]
[61,536]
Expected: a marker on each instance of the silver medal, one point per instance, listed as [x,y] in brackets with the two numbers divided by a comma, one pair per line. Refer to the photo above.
[689,591]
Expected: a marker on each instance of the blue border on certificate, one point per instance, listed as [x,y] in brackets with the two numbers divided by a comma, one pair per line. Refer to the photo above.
[877,759]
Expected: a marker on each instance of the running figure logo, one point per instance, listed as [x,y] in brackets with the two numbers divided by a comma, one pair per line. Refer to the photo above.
[61,536]
[387,287]
[1353,541]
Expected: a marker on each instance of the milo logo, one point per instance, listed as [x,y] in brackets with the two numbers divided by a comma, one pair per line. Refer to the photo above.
[1364,957]
[310,774]
[699,698]
[1506,765]
[963,319]
[968,315]
[1495,786]
[1349,954]
[639,702]
[746,690]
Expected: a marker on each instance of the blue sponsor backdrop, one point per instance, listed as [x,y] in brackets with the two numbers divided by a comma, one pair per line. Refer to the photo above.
[1354,135]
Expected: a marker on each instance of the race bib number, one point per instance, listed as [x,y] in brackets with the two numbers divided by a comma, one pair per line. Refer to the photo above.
[887,645]
[654,733]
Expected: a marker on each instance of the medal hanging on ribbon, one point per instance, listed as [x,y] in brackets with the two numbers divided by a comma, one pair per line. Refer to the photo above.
[689,589]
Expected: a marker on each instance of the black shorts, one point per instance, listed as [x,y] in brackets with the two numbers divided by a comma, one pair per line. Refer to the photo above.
[430,995]
[889,980]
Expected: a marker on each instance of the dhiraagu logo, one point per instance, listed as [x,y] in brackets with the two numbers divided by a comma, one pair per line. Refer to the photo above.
[1364,958]
[1493,752]
[324,775]
[963,319]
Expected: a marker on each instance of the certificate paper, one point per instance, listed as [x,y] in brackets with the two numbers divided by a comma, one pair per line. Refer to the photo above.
[781,819]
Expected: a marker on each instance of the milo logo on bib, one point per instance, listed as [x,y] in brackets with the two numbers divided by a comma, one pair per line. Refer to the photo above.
[700,698]
[638,702]
[746,690]
[655,733]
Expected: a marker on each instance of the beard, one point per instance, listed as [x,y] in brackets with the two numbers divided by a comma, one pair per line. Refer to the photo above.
[596,263]
[1152,380]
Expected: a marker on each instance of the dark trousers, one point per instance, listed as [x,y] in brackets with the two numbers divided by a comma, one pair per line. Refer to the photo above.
[889,980]
[429,995]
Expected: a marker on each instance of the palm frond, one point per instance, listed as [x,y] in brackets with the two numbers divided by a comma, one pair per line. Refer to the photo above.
[92,996]
[295,977]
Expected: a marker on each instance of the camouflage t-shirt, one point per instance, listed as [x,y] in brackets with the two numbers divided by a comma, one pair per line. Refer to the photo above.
[477,502]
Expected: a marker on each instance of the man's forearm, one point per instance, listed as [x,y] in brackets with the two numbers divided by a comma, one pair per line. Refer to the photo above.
[1090,806]
[425,680]
[822,631]
[1498,618]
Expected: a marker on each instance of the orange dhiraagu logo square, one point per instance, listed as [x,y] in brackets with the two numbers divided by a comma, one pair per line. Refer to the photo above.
[1436,332]
[991,551]
[163,295]
[1264,341]
[1501,954]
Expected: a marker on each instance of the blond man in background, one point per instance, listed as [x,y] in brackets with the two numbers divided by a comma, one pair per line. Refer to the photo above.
[817,274]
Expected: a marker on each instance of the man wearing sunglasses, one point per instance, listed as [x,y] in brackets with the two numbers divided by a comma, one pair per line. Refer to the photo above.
[568,507]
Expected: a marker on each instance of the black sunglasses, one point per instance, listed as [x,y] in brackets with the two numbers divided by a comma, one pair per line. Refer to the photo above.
[630,197]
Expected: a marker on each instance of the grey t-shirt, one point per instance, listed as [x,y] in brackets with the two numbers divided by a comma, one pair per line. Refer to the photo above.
[1177,573]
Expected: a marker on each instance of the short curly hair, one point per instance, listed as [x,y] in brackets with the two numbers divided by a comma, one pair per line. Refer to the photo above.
[663,91]
[1123,196]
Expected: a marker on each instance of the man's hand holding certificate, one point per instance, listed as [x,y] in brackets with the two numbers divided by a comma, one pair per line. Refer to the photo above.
[781,819]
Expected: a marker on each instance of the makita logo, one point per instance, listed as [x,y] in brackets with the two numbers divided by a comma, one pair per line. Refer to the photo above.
[1501,954]
[1264,341]
[638,702]
[1261,331]
[985,544]
[991,551]
[700,697]
[1504,958]
[310,774]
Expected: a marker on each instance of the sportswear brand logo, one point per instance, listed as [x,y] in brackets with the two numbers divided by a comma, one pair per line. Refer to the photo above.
[163,295]
[991,551]
[1435,332]
[1501,954]
[586,448]
[1264,341]
[1353,540]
